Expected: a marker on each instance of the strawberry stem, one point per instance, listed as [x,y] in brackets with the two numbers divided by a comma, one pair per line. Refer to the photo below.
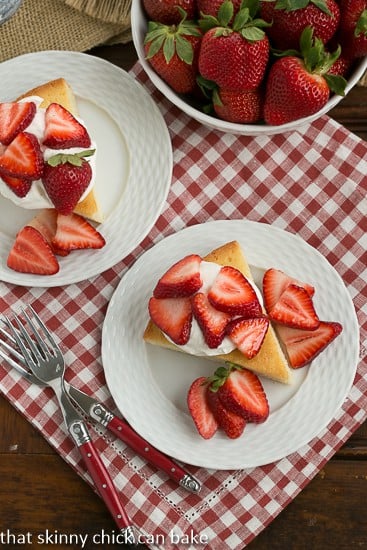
[76,159]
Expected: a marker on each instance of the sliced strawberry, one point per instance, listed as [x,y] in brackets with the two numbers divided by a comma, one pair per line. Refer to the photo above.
[232,424]
[182,279]
[248,334]
[22,158]
[62,129]
[275,282]
[32,254]
[14,118]
[243,394]
[303,346]
[200,411]
[45,222]
[295,309]
[232,293]
[212,322]
[173,316]
[19,186]
[73,232]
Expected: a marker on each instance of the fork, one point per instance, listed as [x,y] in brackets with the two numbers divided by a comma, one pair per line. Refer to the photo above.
[45,360]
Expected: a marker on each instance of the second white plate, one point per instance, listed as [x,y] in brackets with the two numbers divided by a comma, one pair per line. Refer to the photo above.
[134,158]
[150,384]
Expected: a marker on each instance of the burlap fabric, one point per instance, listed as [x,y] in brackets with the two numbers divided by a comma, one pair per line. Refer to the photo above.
[76,25]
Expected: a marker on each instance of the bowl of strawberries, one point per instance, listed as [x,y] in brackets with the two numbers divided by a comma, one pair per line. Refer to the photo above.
[252,67]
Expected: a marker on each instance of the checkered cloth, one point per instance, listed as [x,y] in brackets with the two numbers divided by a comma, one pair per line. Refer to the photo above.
[312,183]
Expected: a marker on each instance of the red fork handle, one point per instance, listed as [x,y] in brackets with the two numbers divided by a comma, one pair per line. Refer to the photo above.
[102,480]
[124,432]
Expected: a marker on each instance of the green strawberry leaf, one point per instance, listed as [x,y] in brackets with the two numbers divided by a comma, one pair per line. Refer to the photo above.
[336,83]
[225,13]
[252,34]
[169,48]
[76,159]
[361,26]
[291,5]
[155,46]
[242,17]
[207,22]
[252,5]
[321,4]
[184,50]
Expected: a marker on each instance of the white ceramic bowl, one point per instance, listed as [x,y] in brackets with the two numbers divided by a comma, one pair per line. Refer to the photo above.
[139,27]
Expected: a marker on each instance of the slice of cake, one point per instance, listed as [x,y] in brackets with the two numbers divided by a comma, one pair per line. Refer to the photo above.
[270,360]
[60,92]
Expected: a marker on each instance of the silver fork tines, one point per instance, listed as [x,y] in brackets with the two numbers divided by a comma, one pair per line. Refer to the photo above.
[35,351]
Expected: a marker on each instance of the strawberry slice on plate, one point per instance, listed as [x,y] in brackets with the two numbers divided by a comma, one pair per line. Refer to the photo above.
[295,309]
[232,293]
[173,316]
[275,282]
[14,118]
[19,186]
[231,423]
[182,279]
[248,334]
[212,322]
[32,254]
[199,408]
[73,232]
[243,394]
[63,130]
[303,346]
[22,158]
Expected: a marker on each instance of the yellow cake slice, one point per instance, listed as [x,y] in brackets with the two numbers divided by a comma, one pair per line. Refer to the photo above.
[270,361]
[59,91]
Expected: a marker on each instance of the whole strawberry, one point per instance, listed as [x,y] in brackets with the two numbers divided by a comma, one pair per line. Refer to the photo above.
[239,107]
[173,52]
[65,178]
[298,87]
[234,56]
[211,7]
[290,17]
[165,11]
[353,27]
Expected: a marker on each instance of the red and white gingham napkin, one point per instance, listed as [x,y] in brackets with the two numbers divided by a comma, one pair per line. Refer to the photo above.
[312,183]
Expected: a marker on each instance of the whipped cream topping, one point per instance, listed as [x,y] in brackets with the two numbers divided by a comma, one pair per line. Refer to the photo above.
[196,344]
[37,197]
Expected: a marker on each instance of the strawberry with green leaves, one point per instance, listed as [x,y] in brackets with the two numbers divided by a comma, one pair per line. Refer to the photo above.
[166,12]
[300,86]
[65,178]
[290,17]
[234,55]
[241,392]
[173,51]
[353,27]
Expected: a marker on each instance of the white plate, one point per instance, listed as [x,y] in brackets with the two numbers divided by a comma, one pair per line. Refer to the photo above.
[134,162]
[150,384]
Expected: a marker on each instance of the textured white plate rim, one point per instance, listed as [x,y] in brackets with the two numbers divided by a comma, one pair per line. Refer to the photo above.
[88,264]
[137,16]
[168,428]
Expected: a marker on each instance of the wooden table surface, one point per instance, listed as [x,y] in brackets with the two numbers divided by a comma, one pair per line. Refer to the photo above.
[40,492]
